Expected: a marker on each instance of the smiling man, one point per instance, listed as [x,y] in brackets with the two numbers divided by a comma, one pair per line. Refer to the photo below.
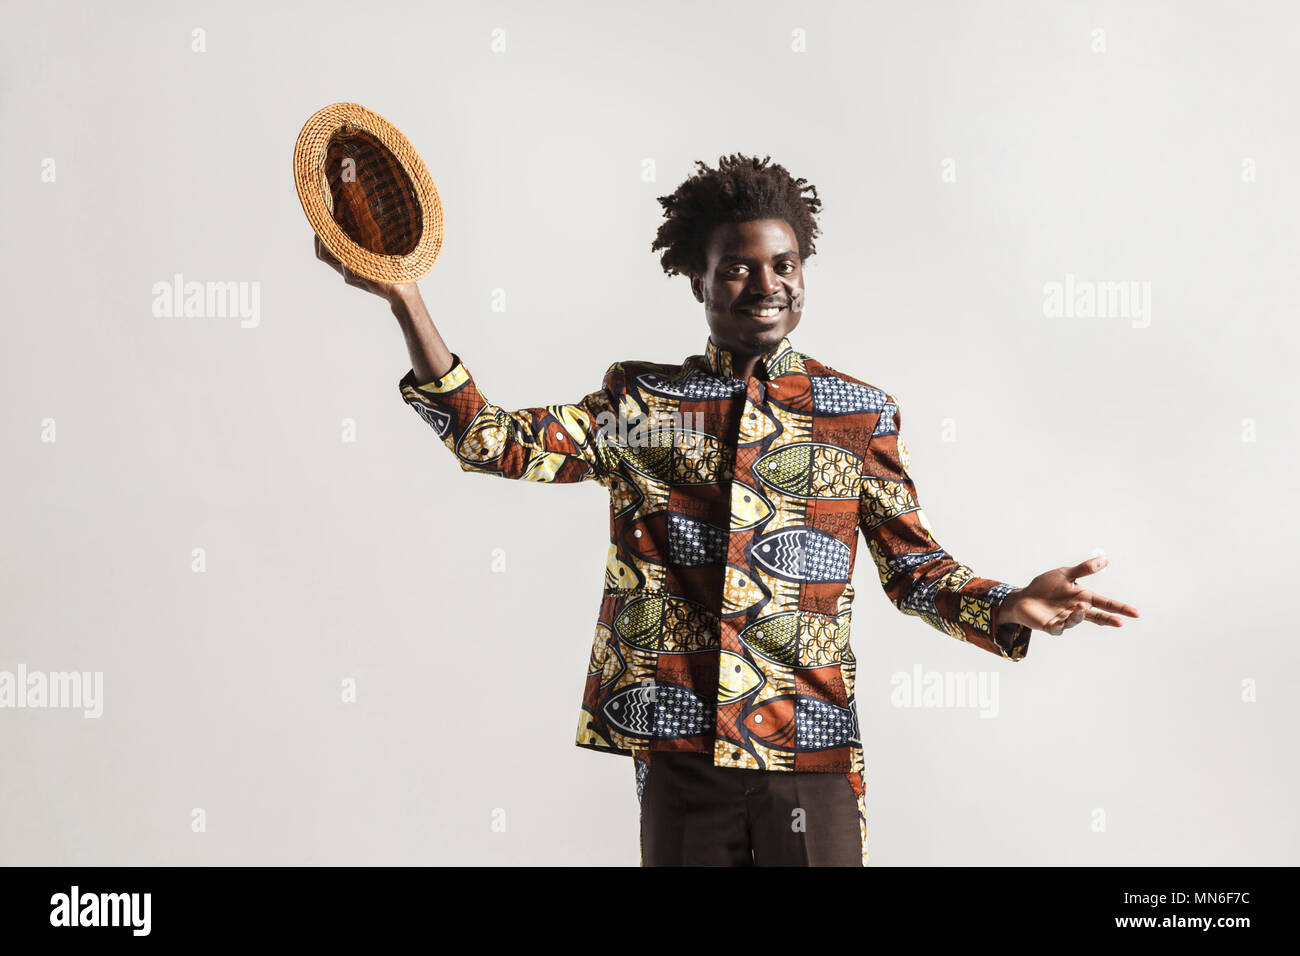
[721,661]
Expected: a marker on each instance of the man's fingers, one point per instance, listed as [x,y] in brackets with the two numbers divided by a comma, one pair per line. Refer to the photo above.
[1083,568]
[1109,604]
[1099,603]
[1066,620]
[323,255]
[1058,621]
[1105,620]
[1078,612]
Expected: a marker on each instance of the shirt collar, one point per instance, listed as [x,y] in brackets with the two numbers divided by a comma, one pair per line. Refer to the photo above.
[781,359]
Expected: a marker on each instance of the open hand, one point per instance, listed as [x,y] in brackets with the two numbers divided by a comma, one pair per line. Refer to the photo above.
[1054,601]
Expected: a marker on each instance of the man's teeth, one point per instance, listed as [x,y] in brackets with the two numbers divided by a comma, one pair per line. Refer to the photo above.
[763,313]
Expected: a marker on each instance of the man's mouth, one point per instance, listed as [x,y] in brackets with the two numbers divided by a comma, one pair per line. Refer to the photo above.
[762,312]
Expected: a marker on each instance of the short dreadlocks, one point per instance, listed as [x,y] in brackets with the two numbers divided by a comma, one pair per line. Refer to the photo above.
[741,189]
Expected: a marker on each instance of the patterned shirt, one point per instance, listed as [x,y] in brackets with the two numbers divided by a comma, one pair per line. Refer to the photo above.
[734,511]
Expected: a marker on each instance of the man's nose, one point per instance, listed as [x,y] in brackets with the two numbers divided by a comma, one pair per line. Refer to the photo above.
[766,283]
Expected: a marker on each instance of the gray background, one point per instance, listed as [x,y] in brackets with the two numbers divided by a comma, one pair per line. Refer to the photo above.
[373,559]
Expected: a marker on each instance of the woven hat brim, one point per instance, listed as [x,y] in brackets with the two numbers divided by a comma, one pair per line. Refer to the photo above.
[309,177]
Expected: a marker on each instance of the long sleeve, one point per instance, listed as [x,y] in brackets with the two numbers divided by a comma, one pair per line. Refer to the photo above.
[917,574]
[549,443]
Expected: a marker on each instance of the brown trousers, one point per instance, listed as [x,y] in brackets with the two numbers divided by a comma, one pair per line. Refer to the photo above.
[694,813]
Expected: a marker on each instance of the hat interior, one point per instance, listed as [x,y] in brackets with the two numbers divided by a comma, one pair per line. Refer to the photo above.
[371,197]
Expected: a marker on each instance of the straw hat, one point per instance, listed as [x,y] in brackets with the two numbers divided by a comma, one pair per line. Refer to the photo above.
[368,194]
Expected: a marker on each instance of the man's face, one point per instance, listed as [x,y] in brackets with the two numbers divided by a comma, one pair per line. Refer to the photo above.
[749,265]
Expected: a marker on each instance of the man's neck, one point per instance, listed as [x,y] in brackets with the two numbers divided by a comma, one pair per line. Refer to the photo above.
[745,366]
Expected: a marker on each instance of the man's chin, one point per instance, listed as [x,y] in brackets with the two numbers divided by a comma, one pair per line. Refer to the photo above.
[757,339]
[761,340]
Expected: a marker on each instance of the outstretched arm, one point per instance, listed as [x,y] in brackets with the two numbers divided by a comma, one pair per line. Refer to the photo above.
[917,574]
[923,579]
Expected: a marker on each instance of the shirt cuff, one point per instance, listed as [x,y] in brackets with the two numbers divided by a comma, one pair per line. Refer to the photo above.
[453,378]
[1012,640]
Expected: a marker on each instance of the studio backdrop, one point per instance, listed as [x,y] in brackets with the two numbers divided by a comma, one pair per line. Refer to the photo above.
[1063,235]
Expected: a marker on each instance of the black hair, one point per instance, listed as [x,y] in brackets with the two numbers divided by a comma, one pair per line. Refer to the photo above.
[741,189]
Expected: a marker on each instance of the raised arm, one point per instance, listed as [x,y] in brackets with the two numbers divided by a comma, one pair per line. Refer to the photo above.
[549,443]
[430,357]
[917,574]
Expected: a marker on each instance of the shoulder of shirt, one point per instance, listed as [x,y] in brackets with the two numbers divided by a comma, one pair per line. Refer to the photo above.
[814,367]
[621,372]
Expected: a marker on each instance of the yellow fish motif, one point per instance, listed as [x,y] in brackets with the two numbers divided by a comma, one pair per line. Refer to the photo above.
[542,466]
[748,507]
[753,430]
[667,624]
[575,422]
[486,436]
[737,677]
[677,456]
[810,470]
[800,639]
[619,575]
[605,659]
[739,591]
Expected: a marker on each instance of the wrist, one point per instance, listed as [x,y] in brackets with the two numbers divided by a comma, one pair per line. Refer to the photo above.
[403,296]
[1008,609]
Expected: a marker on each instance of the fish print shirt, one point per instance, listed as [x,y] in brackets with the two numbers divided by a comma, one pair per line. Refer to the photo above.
[734,512]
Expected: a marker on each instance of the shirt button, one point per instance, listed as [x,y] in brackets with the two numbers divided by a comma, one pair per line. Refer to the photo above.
[636,533]
[758,718]
[736,755]
[753,415]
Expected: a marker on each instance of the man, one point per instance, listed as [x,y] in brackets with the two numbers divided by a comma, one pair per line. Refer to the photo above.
[738,482]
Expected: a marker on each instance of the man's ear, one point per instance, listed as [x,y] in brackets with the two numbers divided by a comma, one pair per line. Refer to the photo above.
[697,288]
